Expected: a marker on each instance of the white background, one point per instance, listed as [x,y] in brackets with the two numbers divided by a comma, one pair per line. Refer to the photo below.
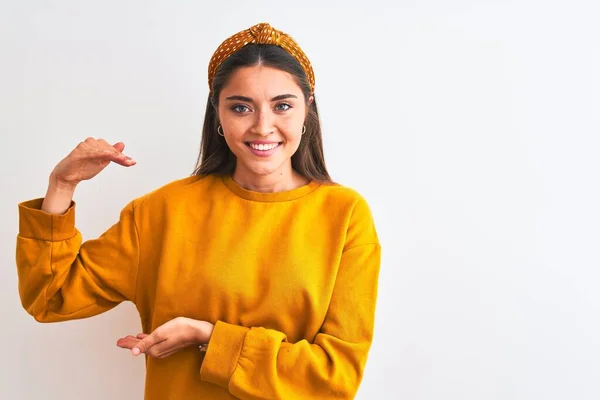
[471,127]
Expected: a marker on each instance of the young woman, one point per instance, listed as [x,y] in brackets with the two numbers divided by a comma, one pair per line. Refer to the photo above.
[254,278]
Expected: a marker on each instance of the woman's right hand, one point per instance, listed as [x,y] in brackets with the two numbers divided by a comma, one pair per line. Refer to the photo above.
[87,160]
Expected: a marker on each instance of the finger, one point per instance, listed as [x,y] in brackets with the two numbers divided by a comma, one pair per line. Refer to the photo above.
[119,146]
[126,163]
[127,342]
[128,337]
[92,148]
[145,344]
[104,145]
[142,335]
[110,155]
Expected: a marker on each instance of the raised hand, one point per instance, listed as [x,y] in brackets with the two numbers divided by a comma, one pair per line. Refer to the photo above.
[87,160]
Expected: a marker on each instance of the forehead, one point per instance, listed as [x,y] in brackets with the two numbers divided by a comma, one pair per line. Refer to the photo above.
[260,79]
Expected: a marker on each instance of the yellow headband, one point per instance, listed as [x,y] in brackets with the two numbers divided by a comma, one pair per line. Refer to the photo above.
[261,33]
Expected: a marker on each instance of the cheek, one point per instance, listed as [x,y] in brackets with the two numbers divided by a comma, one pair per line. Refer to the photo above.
[291,127]
[292,136]
[235,126]
[227,119]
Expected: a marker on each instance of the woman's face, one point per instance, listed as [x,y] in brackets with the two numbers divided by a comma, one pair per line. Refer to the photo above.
[262,111]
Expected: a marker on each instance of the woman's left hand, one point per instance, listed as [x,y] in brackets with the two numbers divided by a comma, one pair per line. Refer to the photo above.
[169,337]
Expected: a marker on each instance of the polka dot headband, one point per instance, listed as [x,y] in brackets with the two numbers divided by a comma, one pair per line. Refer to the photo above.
[262,33]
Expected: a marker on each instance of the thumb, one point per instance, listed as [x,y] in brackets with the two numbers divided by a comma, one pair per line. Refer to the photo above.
[119,146]
[144,345]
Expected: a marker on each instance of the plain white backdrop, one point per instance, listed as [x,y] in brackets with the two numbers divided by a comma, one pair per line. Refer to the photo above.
[471,127]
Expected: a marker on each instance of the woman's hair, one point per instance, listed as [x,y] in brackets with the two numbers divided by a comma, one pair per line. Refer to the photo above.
[216,157]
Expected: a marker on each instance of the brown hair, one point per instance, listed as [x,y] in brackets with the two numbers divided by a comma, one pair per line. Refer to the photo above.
[215,156]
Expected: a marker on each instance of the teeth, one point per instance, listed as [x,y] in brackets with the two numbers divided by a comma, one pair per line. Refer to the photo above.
[264,147]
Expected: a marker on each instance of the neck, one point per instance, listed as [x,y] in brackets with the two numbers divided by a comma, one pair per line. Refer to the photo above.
[278,181]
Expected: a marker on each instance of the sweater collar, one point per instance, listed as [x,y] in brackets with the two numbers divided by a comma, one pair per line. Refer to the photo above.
[285,195]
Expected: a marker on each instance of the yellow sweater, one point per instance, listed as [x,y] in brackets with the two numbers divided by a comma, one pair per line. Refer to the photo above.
[289,279]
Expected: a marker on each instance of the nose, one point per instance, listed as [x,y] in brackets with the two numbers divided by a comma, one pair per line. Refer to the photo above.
[264,123]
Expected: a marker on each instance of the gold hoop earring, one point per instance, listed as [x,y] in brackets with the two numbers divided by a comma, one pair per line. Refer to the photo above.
[303,129]
[220,131]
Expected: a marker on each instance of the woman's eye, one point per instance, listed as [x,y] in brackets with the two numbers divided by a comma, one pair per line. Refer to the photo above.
[240,108]
[283,107]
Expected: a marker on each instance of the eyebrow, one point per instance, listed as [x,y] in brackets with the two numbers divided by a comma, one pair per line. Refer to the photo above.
[248,99]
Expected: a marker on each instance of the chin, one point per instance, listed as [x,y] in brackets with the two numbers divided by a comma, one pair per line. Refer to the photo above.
[262,169]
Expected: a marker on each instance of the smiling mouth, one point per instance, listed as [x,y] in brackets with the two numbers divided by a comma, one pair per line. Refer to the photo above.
[263,147]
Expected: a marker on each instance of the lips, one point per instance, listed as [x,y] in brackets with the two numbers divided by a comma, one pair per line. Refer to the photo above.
[263,145]
[264,149]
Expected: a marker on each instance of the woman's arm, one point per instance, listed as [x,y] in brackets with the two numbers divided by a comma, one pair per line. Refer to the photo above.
[59,278]
[59,196]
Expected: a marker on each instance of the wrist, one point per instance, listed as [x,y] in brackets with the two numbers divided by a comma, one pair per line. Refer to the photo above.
[57,185]
[59,196]
[202,331]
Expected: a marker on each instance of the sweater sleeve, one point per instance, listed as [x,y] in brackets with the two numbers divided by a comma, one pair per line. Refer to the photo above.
[62,279]
[259,363]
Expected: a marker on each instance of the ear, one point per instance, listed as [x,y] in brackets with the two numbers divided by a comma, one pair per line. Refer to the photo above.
[310,100]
